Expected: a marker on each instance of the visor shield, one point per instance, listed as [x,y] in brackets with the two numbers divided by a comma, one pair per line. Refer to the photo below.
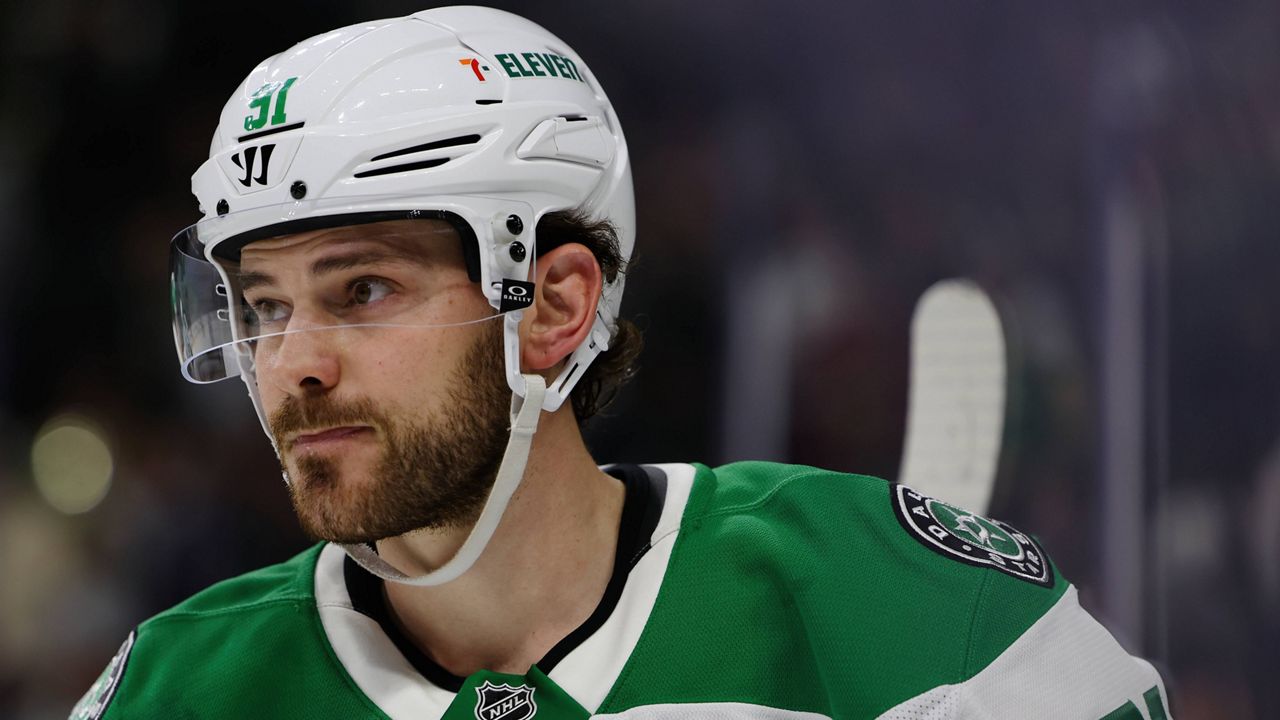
[237,299]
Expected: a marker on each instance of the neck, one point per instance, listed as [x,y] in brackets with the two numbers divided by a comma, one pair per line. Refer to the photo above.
[541,575]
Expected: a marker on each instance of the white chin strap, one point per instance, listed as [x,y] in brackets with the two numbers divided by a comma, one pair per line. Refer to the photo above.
[524,421]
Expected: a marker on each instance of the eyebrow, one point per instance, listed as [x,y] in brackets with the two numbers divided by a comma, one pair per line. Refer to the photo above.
[337,263]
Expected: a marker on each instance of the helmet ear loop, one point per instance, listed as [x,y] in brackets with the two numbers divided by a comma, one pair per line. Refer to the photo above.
[511,331]
[576,365]
[557,390]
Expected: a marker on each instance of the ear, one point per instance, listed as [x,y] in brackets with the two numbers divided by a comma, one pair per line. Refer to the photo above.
[568,285]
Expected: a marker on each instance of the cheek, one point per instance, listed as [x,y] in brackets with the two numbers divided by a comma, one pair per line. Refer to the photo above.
[410,364]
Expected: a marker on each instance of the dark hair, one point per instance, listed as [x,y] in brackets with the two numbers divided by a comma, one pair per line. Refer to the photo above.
[615,366]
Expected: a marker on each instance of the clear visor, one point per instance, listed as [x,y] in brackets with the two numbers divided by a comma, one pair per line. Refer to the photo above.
[239,301]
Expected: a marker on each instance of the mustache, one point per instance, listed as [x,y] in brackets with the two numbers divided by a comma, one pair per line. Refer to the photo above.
[296,416]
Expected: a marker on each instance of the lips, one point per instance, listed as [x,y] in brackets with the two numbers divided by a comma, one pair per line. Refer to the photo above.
[332,436]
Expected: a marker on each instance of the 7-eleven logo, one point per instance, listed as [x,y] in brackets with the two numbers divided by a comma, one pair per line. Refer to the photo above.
[476,67]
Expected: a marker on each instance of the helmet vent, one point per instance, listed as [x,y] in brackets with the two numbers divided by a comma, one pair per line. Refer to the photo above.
[406,167]
[450,142]
[420,163]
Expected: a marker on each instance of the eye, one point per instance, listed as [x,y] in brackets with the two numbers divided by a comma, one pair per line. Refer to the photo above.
[367,290]
[262,313]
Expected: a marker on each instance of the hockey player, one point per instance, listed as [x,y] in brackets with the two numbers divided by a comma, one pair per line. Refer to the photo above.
[412,252]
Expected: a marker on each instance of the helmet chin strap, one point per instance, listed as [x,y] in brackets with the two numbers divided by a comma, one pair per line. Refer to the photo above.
[524,421]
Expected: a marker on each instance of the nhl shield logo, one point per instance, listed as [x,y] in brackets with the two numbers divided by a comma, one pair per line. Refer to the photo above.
[504,702]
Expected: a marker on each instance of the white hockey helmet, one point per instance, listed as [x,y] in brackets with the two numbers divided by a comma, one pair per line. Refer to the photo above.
[466,114]
[470,114]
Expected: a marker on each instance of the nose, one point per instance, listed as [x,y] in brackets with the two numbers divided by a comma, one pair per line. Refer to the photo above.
[300,363]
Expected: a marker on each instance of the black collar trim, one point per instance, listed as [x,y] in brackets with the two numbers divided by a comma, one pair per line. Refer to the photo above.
[646,489]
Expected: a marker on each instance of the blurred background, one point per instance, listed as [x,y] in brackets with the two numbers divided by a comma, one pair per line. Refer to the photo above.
[1110,171]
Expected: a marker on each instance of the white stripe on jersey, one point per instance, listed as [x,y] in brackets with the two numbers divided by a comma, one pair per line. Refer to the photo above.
[1066,665]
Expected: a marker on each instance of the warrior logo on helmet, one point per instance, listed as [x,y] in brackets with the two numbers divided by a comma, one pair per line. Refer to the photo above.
[250,154]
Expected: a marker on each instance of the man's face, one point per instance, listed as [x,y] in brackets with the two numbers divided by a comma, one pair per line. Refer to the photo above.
[381,430]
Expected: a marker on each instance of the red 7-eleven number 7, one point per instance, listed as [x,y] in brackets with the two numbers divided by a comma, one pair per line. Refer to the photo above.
[475,66]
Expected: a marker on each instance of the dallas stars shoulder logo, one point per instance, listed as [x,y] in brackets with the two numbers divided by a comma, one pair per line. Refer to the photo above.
[969,538]
[504,702]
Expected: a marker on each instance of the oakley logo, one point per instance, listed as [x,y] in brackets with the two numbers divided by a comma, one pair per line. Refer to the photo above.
[516,294]
[245,161]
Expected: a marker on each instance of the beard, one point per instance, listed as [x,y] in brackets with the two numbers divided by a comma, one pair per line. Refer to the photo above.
[429,476]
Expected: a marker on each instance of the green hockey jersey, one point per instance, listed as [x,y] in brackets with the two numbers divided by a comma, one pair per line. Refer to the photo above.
[750,591]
